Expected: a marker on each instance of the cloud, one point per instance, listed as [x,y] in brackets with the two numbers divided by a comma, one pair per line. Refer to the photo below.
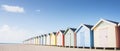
[15,9]
[37,10]
[10,34]
[5,28]
[14,34]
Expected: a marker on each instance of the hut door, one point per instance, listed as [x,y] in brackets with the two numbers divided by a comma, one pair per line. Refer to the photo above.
[82,39]
[103,38]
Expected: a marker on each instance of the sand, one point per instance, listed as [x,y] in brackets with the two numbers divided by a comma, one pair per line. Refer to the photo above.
[23,47]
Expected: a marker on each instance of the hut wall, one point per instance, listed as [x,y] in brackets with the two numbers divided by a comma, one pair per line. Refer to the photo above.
[48,40]
[53,39]
[104,35]
[69,38]
[41,40]
[59,39]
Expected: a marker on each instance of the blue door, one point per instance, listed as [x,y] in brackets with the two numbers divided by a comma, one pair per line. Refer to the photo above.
[82,39]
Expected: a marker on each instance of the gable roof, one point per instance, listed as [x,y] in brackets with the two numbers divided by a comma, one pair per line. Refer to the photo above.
[88,26]
[84,25]
[54,33]
[48,34]
[39,36]
[62,31]
[104,20]
[73,29]
[44,34]
[113,21]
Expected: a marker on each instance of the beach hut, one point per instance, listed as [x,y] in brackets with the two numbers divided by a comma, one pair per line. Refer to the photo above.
[60,37]
[53,38]
[44,39]
[41,40]
[37,39]
[106,34]
[25,42]
[34,40]
[70,37]
[48,39]
[28,41]
[84,36]
[31,41]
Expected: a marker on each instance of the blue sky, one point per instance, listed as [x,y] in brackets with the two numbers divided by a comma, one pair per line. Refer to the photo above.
[22,19]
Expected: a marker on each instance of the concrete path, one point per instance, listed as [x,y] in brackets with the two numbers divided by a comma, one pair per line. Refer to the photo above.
[22,47]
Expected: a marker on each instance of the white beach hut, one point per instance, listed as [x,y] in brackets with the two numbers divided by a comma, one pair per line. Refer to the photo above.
[70,37]
[106,34]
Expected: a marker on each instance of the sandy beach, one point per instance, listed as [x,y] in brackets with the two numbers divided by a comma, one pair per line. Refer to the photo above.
[23,47]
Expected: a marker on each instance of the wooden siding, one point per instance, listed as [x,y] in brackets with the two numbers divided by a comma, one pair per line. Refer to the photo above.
[104,35]
[69,38]
[84,37]
[60,39]
[37,40]
[118,36]
[44,39]
[53,39]
[48,40]
[41,40]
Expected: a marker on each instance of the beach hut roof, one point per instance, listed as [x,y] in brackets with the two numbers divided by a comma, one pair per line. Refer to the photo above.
[88,26]
[44,34]
[35,37]
[54,33]
[84,25]
[105,20]
[39,35]
[62,31]
[32,38]
[48,34]
[73,29]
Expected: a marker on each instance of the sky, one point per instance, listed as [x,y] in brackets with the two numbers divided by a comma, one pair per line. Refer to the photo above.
[23,19]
